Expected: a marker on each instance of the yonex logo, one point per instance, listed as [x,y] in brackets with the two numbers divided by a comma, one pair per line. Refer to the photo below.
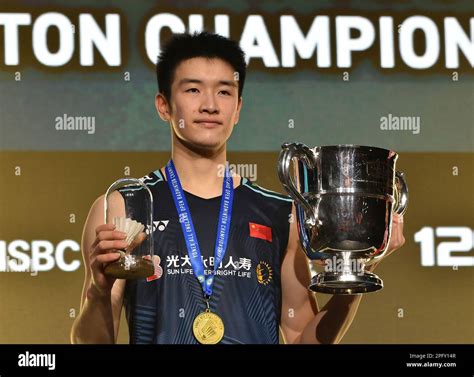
[160,225]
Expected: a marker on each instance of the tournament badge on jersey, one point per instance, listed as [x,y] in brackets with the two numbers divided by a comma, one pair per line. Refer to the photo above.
[136,260]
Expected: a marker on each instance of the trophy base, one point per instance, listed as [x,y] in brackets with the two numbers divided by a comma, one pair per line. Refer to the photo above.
[345,284]
[135,268]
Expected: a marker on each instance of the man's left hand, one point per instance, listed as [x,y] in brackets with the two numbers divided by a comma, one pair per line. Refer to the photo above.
[397,240]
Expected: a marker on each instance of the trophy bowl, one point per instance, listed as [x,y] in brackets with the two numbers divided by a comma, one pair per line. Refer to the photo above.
[344,196]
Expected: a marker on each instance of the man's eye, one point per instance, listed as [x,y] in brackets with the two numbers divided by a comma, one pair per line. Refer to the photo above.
[192,90]
[225,92]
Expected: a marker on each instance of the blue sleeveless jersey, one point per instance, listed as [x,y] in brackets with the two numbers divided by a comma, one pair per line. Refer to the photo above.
[247,289]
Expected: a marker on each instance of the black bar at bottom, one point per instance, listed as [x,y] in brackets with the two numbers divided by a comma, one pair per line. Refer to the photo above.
[246,360]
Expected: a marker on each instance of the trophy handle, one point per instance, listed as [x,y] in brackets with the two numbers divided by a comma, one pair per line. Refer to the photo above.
[303,153]
[401,193]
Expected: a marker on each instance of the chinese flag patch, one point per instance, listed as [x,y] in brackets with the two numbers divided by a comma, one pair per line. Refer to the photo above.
[260,231]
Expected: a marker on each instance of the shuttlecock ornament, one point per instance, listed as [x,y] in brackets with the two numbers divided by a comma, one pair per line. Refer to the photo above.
[130,227]
[130,265]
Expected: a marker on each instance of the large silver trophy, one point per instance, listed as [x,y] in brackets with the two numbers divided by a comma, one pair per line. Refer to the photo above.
[344,196]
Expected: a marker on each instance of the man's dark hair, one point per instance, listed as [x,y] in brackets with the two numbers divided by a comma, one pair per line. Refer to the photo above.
[198,45]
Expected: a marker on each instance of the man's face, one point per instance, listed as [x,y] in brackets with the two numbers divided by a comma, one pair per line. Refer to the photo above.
[204,104]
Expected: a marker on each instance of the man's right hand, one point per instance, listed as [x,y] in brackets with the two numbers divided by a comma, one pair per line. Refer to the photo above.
[102,296]
[104,250]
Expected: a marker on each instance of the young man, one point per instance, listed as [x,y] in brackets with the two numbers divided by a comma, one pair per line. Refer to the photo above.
[262,279]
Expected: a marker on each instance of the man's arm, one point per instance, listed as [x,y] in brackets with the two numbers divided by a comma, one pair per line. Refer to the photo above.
[301,319]
[102,297]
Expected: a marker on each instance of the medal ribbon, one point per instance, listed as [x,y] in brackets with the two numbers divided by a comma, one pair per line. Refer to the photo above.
[184,215]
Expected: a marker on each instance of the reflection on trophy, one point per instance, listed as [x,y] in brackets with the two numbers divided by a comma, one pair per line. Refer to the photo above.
[136,260]
[344,197]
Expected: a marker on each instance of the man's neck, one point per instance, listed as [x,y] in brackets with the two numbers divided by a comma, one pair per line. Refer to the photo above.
[200,172]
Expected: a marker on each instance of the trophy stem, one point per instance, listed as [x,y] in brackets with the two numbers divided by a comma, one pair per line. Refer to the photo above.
[345,274]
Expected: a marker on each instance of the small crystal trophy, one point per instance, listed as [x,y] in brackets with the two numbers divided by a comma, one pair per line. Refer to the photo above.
[136,260]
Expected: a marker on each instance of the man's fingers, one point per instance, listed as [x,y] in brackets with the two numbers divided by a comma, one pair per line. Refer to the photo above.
[401,237]
[397,218]
[107,245]
[397,227]
[102,227]
[109,235]
[397,239]
[107,258]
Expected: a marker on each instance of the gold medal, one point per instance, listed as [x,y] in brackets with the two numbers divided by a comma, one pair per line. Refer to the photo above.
[208,328]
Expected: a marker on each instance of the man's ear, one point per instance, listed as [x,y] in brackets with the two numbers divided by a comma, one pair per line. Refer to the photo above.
[162,107]
[237,114]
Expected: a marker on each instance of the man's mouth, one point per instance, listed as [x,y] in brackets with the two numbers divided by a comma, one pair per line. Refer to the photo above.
[208,122]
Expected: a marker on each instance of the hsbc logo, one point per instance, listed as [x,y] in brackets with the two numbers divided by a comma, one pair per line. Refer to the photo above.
[39,255]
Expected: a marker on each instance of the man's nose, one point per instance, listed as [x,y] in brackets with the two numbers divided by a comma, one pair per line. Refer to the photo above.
[209,104]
